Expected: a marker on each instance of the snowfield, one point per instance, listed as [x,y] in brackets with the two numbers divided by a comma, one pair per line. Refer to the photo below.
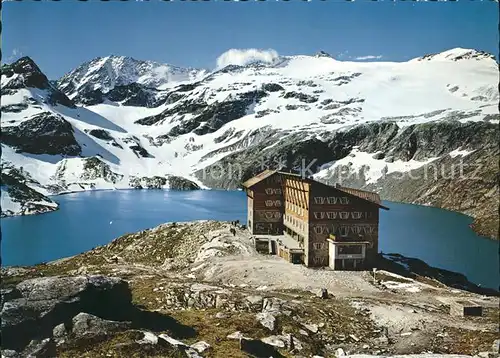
[312,95]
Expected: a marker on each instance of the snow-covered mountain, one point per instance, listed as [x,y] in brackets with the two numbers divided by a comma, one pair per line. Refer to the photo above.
[104,74]
[124,123]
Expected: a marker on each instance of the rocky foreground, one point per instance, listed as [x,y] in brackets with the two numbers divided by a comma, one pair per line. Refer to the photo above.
[196,290]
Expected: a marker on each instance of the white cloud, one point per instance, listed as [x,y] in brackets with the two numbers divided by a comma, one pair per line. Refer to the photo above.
[343,54]
[369,57]
[242,57]
[15,54]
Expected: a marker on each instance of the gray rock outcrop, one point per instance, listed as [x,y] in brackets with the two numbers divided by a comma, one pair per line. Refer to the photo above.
[43,133]
[85,325]
[40,304]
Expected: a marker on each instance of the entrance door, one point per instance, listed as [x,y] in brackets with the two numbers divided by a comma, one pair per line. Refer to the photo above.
[272,247]
[348,264]
[296,258]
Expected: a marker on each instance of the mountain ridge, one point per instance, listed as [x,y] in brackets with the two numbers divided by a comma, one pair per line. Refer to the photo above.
[129,131]
[106,72]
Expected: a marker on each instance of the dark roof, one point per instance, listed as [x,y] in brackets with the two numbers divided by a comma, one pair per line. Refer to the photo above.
[363,194]
[369,196]
[258,178]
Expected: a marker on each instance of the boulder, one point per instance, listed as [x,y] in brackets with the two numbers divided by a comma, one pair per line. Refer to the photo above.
[9,353]
[275,341]
[46,302]
[272,304]
[183,349]
[496,346]
[322,293]
[59,331]
[339,352]
[267,320]
[200,346]
[8,294]
[311,327]
[235,335]
[254,302]
[38,349]
[87,326]
[484,355]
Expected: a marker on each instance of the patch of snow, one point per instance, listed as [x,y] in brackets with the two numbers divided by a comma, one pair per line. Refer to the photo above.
[459,152]
[7,203]
[372,169]
[409,287]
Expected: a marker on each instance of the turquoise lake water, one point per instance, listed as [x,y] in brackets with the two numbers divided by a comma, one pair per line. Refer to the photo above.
[441,238]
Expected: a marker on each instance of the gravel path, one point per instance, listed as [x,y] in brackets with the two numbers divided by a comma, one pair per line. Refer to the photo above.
[276,273]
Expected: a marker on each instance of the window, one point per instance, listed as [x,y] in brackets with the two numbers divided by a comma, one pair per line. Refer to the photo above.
[318,260]
[318,245]
[350,250]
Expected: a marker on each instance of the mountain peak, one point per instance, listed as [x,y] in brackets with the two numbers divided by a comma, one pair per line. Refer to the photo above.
[323,54]
[29,72]
[24,65]
[25,73]
[104,73]
[457,54]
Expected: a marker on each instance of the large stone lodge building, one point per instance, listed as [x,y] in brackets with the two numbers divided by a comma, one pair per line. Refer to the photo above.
[305,221]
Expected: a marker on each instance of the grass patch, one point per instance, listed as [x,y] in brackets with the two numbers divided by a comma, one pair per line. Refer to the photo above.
[215,330]
[462,341]
[143,294]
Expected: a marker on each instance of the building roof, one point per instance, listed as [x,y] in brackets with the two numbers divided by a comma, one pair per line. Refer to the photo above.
[363,194]
[369,196]
[258,178]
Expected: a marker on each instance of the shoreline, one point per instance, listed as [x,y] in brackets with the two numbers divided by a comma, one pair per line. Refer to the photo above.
[52,196]
[393,251]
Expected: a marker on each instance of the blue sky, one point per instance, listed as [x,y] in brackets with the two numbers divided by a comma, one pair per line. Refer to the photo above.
[61,35]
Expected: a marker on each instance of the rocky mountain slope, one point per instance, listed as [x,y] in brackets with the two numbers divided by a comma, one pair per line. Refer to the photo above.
[385,126]
[102,75]
[18,198]
[196,290]
[56,146]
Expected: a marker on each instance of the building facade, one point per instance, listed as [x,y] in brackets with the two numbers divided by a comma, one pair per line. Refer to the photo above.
[265,204]
[314,223]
